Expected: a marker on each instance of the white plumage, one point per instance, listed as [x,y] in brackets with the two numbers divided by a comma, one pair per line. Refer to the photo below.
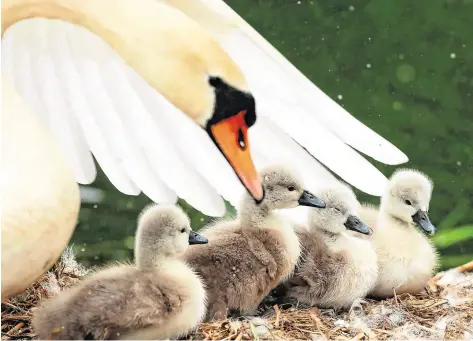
[94,103]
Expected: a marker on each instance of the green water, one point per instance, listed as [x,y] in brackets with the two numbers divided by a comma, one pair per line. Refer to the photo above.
[403,67]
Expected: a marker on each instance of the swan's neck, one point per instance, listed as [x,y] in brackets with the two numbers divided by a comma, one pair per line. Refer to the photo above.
[17,10]
[386,218]
[253,214]
[148,260]
[166,43]
[328,237]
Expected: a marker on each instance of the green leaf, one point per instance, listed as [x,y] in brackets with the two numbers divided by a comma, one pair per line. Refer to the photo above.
[448,262]
[452,236]
[461,209]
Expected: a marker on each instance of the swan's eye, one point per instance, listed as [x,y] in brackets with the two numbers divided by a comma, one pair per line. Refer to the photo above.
[338,210]
[241,140]
[183,230]
[407,202]
[215,81]
[291,188]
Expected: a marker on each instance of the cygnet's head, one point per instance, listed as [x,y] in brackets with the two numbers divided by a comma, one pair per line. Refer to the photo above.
[407,197]
[283,189]
[340,212]
[163,231]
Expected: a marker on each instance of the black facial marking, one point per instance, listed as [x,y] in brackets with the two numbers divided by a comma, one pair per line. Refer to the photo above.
[230,101]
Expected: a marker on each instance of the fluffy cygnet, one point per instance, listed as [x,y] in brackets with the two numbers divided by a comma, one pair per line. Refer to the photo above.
[336,267]
[158,298]
[248,257]
[406,257]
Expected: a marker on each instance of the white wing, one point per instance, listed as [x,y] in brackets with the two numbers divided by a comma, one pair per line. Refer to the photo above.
[294,103]
[93,102]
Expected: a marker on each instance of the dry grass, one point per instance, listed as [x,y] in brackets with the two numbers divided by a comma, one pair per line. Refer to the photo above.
[443,312]
[18,311]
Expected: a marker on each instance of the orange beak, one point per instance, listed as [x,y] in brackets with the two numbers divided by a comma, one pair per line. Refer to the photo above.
[231,136]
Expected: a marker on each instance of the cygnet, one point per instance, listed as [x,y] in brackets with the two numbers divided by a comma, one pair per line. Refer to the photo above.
[406,257]
[248,257]
[158,298]
[336,267]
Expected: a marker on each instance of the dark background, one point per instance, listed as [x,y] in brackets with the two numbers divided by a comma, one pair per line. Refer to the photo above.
[403,67]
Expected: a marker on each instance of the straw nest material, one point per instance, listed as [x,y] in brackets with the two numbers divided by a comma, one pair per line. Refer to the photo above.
[443,311]
[18,310]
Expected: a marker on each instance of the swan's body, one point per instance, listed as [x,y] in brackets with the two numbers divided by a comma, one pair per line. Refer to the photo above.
[158,298]
[37,206]
[120,79]
[41,202]
[247,258]
[406,257]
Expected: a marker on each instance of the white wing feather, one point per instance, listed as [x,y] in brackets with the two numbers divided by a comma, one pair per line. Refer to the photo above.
[81,79]
[295,104]
[192,143]
[300,124]
[143,143]
[262,54]
[61,122]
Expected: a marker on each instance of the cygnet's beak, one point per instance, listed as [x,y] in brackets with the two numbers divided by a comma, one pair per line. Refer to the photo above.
[422,219]
[308,199]
[195,238]
[354,223]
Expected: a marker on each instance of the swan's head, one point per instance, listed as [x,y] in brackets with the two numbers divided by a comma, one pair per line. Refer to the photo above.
[407,198]
[208,86]
[284,189]
[163,231]
[340,213]
[233,113]
[176,56]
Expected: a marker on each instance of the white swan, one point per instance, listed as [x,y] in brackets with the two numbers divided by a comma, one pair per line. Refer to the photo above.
[93,100]
[120,79]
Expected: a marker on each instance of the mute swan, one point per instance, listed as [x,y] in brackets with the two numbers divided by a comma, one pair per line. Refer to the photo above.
[248,257]
[158,298]
[194,74]
[139,136]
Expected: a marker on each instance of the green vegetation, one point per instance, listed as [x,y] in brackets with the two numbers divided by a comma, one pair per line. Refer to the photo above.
[404,68]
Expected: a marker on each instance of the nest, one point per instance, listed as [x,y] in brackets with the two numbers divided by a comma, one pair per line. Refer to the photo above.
[444,311]
[18,311]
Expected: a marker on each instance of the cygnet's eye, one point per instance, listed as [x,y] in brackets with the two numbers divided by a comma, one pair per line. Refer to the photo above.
[291,188]
[337,209]
[183,230]
[407,202]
